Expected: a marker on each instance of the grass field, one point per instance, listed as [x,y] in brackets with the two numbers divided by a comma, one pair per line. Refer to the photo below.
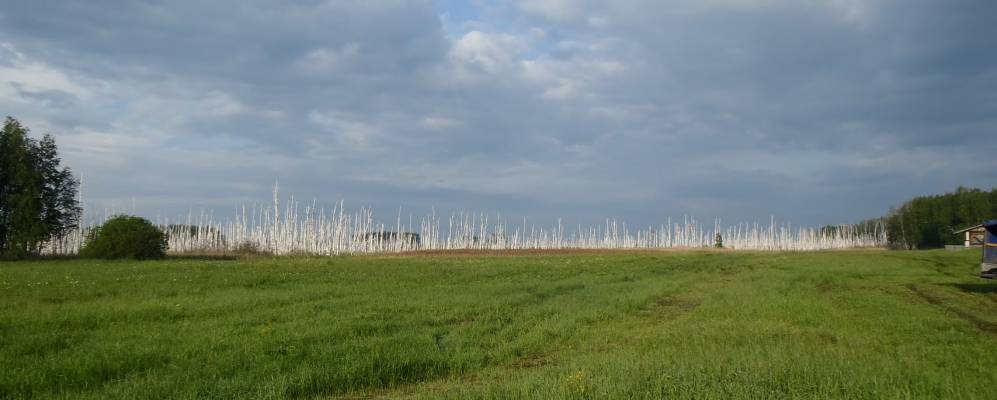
[862,324]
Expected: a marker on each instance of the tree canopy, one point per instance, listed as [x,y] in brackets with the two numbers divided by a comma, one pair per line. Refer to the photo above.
[37,195]
[126,236]
[928,221]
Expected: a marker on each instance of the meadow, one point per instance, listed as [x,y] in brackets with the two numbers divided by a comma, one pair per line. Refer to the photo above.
[652,324]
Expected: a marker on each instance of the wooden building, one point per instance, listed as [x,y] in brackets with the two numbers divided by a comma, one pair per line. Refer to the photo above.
[988,268]
[975,235]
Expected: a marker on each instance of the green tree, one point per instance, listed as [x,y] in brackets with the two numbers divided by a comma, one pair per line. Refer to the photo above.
[60,210]
[126,236]
[928,221]
[37,197]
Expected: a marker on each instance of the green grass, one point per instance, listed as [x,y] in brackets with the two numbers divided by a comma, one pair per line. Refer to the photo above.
[864,324]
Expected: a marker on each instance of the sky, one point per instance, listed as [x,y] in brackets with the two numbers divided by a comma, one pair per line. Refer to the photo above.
[812,112]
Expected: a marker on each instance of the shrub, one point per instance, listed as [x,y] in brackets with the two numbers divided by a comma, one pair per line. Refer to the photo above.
[125,236]
[250,249]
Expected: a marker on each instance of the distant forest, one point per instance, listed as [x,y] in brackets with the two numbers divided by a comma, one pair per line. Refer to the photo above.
[928,221]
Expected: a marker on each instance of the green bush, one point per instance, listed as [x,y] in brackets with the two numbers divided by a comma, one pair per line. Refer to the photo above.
[125,236]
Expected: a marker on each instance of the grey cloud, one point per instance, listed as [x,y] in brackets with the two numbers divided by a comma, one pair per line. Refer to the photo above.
[819,113]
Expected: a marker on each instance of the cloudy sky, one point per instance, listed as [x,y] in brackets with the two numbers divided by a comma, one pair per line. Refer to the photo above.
[815,112]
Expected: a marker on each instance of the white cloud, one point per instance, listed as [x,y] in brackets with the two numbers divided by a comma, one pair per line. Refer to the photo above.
[350,132]
[221,104]
[25,75]
[326,60]
[440,123]
[578,77]
[477,53]
[564,91]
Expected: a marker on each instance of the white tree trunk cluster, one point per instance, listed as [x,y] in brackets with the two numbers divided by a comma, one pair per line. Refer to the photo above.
[294,229]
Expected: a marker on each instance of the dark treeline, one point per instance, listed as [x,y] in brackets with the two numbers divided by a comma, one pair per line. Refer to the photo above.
[928,221]
[866,227]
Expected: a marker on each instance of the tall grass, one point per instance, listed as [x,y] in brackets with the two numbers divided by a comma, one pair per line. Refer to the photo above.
[293,228]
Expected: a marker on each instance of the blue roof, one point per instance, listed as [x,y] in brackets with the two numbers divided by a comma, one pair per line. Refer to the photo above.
[990,223]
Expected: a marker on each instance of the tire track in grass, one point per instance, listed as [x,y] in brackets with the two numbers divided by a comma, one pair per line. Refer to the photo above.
[982,290]
[656,309]
[673,306]
[979,324]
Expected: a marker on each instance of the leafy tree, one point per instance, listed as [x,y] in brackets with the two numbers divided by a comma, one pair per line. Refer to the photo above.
[928,221]
[60,208]
[37,197]
[125,236]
